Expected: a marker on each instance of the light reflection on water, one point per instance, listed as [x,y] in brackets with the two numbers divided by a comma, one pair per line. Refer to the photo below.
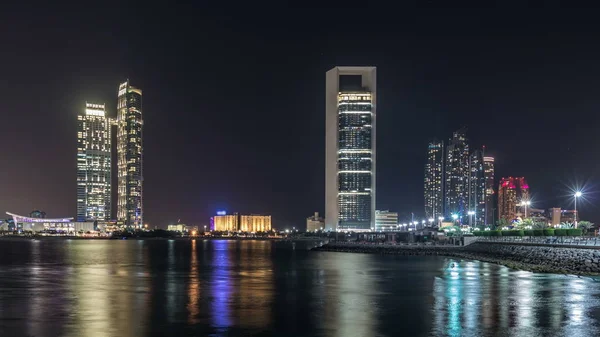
[233,288]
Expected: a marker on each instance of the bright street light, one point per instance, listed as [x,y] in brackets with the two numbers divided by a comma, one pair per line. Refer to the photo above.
[576,195]
[471,213]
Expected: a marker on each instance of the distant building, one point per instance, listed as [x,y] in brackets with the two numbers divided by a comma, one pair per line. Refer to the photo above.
[386,221]
[350,151]
[130,149]
[179,227]
[477,190]
[245,223]
[54,226]
[511,192]
[315,223]
[255,223]
[457,176]
[434,180]
[94,156]
[490,194]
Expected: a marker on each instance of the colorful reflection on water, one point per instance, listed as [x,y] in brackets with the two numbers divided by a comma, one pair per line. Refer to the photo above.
[233,288]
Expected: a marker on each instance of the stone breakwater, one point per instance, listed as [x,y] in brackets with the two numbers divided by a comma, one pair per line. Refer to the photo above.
[532,258]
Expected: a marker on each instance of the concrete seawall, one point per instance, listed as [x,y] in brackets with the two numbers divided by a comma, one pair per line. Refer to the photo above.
[533,258]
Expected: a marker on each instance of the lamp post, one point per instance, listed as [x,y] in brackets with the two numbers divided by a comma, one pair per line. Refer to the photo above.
[430,222]
[471,213]
[422,224]
[454,217]
[576,195]
[441,219]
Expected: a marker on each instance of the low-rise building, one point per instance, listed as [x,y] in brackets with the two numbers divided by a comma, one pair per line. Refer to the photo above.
[386,221]
[236,222]
[315,223]
[179,227]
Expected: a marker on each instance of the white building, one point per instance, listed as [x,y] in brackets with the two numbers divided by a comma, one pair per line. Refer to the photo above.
[386,221]
[315,223]
[350,115]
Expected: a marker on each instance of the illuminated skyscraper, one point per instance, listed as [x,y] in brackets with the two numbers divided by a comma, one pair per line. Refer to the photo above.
[477,188]
[511,192]
[457,175]
[434,180]
[130,155]
[350,104]
[93,164]
[488,168]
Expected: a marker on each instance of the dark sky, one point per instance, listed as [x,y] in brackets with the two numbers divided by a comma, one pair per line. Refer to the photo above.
[234,101]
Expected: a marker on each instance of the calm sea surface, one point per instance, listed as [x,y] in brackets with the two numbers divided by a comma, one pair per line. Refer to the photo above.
[261,288]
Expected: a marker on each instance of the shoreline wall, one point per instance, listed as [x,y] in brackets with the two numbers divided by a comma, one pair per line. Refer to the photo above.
[532,258]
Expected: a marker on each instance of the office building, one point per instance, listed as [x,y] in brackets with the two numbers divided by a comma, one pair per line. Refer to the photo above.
[477,191]
[457,176]
[386,221]
[94,199]
[130,208]
[490,193]
[244,223]
[512,191]
[434,180]
[315,223]
[350,153]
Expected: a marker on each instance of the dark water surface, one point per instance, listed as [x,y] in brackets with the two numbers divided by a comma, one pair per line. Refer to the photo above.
[262,288]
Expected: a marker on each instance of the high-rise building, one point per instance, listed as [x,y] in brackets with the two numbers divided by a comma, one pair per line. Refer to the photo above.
[434,180]
[457,176]
[511,192]
[93,164]
[130,156]
[490,209]
[477,192]
[350,104]
[386,220]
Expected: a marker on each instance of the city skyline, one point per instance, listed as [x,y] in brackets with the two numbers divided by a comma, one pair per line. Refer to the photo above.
[220,143]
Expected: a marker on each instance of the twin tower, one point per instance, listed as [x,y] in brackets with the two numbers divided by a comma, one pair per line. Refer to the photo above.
[95,156]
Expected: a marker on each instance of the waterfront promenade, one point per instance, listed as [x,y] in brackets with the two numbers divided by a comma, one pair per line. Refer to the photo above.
[537,258]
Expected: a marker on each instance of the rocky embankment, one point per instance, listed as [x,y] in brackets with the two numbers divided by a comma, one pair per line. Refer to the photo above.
[533,258]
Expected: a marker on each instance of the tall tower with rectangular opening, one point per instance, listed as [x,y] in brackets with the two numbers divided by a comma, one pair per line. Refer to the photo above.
[350,148]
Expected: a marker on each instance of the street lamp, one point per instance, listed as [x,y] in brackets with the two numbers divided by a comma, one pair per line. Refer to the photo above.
[471,213]
[454,217]
[576,195]
[430,222]
[440,223]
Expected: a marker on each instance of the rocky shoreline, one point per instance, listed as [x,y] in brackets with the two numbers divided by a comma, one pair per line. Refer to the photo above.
[543,259]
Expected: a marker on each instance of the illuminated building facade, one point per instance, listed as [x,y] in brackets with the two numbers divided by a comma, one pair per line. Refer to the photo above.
[245,223]
[255,223]
[350,149]
[129,156]
[48,225]
[511,192]
[94,197]
[315,223]
[490,193]
[477,191]
[457,175]
[386,220]
[434,180]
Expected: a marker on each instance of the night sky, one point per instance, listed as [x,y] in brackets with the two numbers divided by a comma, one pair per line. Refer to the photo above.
[234,106]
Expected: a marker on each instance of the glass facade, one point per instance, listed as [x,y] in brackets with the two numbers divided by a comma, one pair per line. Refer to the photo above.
[434,180]
[93,164]
[477,190]
[129,156]
[457,176]
[488,167]
[355,160]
